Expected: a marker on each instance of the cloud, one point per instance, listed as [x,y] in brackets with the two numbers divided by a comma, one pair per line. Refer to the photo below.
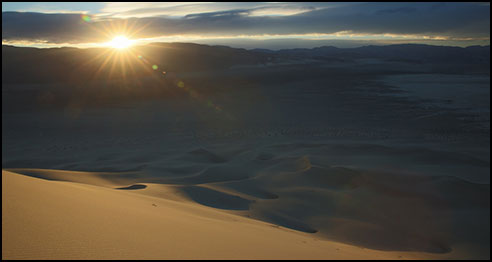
[125,10]
[240,12]
[451,20]
[54,28]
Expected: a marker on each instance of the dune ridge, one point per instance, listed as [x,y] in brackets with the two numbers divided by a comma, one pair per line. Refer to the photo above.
[292,186]
[79,220]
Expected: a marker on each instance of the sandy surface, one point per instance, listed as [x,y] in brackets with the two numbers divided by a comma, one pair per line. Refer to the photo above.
[65,220]
[283,162]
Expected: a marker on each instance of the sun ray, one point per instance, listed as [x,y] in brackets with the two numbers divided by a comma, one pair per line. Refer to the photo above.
[113,65]
[133,33]
[95,58]
[130,57]
[122,65]
[108,58]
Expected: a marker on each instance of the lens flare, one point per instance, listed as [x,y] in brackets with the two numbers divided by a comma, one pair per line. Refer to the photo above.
[86,18]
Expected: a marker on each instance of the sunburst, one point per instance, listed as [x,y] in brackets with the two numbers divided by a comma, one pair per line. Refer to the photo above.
[120,42]
[120,52]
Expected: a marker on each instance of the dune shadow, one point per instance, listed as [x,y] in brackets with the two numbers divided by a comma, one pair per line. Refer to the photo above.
[212,174]
[216,199]
[132,187]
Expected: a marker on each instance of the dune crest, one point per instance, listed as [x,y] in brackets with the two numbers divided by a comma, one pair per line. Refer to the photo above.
[98,222]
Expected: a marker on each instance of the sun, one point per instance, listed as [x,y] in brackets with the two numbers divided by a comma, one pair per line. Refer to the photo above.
[120,42]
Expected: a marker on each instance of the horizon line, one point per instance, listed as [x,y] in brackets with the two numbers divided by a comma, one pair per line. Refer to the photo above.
[214,45]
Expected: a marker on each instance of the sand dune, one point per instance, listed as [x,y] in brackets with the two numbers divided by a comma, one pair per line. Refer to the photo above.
[45,219]
[54,214]
[292,185]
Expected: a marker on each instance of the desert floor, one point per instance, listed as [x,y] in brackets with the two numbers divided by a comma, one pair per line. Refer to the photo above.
[281,162]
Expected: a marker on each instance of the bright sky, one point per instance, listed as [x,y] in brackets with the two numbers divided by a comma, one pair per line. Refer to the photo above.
[246,24]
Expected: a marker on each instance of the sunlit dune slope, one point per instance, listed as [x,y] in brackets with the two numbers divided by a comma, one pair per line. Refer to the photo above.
[44,219]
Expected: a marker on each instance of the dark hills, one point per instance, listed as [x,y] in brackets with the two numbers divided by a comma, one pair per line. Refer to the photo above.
[408,52]
[59,65]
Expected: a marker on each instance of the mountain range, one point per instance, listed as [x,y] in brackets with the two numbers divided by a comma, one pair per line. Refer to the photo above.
[32,65]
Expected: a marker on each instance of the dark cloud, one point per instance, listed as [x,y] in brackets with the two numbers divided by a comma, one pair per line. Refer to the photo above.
[401,10]
[55,28]
[240,12]
[460,20]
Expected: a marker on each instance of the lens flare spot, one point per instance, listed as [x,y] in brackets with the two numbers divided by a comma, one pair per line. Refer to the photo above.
[155,67]
[139,57]
[86,18]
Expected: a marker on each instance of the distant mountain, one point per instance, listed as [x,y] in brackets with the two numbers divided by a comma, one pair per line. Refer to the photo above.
[72,65]
[403,52]
[33,65]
